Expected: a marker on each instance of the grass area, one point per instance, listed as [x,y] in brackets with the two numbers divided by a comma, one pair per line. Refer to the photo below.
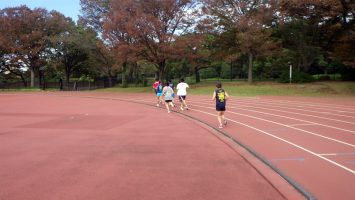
[24,89]
[241,88]
[336,77]
[128,89]
[278,89]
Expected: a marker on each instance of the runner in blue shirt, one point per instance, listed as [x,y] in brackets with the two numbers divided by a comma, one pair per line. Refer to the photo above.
[159,93]
[221,97]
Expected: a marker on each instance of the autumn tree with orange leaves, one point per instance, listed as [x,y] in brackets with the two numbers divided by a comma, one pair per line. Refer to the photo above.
[141,30]
[25,37]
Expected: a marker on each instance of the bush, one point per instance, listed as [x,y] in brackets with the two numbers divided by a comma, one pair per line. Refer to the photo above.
[348,74]
[324,78]
[297,77]
[208,73]
[225,71]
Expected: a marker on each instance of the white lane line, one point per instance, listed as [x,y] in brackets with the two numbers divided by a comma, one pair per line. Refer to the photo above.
[304,108]
[251,104]
[305,104]
[308,122]
[307,107]
[333,127]
[294,125]
[347,107]
[337,120]
[327,154]
[286,141]
[276,137]
[295,106]
[310,104]
[296,103]
[337,154]
[309,132]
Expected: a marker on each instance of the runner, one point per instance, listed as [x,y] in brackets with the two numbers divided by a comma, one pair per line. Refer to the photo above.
[168,93]
[181,92]
[155,85]
[221,97]
[159,93]
[172,87]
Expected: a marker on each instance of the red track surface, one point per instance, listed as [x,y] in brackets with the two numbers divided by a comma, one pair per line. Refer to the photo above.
[85,148]
[310,139]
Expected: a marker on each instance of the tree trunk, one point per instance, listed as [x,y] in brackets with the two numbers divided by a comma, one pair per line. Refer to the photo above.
[32,76]
[250,69]
[67,74]
[197,75]
[124,81]
[23,80]
[109,76]
[67,79]
[40,78]
[109,81]
[161,70]
[231,72]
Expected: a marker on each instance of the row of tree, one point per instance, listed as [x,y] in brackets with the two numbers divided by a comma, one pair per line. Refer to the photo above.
[174,38]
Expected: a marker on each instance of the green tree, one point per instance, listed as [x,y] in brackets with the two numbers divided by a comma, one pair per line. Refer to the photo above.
[25,36]
[249,23]
[72,49]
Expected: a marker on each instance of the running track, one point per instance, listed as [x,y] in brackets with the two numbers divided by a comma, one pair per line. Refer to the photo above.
[310,139]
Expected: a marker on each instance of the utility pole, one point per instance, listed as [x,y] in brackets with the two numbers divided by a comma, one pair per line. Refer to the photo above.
[290,73]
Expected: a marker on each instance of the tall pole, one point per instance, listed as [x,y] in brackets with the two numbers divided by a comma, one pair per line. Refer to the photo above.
[290,73]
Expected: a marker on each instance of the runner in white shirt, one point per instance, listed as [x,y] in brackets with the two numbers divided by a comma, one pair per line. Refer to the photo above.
[181,93]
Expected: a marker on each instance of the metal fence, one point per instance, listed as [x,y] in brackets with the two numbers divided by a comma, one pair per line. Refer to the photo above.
[61,85]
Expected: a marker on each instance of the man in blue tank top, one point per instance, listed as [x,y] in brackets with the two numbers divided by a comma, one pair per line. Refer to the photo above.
[221,97]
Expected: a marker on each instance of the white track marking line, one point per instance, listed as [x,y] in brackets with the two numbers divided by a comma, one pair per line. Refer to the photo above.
[309,132]
[299,109]
[337,154]
[292,106]
[285,103]
[309,104]
[315,123]
[307,107]
[308,122]
[313,104]
[294,125]
[256,104]
[247,105]
[286,141]
[320,110]
[302,114]
[327,154]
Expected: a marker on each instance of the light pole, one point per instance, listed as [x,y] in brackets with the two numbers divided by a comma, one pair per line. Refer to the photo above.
[290,72]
